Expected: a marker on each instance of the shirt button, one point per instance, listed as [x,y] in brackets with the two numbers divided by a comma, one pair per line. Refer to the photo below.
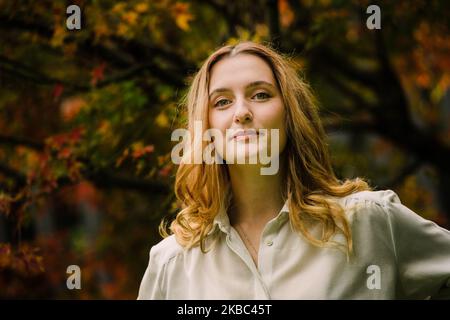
[269,243]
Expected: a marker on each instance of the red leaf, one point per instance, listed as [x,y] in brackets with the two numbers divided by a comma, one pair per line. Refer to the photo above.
[75,134]
[64,153]
[63,139]
[57,90]
[140,152]
[165,171]
[98,74]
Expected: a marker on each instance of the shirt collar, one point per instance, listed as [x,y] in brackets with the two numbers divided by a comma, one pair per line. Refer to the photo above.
[222,220]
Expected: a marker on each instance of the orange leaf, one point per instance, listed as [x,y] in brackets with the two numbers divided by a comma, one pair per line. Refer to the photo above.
[5,255]
[64,153]
[71,107]
[286,13]
[130,17]
[165,171]
[182,16]
[122,157]
[141,151]
[141,7]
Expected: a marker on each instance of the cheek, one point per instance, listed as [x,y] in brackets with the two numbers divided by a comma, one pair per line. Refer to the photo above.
[275,119]
[274,116]
[218,120]
[214,120]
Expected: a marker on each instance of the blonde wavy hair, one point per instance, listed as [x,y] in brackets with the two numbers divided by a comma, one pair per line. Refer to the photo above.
[311,183]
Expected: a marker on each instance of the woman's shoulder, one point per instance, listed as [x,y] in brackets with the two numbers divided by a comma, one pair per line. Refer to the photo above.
[165,250]
[364,198]
[383,208]
[378,207]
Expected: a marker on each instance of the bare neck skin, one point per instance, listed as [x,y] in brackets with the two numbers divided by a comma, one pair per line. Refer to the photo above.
[256,198]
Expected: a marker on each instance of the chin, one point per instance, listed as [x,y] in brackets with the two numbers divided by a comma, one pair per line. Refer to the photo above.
[250,152]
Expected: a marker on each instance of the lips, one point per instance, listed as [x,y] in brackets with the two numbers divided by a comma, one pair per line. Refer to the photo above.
[241,134]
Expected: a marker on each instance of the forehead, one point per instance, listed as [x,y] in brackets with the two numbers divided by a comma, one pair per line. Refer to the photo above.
[239,70]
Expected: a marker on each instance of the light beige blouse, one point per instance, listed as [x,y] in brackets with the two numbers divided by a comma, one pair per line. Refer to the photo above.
[397,255]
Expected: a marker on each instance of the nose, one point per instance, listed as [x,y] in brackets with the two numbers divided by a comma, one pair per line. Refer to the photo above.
[243,113]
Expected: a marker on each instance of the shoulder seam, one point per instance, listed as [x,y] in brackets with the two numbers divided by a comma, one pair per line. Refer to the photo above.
[167,260]
[383,205]
[360,199]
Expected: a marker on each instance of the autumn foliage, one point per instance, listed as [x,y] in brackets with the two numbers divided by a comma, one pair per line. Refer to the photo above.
[86,117]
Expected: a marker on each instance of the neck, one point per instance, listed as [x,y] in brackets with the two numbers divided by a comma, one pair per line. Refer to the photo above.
[256,198]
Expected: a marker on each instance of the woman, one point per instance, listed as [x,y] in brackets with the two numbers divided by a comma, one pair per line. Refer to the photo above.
[297,233]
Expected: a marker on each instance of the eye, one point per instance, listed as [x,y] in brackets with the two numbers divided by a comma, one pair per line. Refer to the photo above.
[221,103]
[261,96]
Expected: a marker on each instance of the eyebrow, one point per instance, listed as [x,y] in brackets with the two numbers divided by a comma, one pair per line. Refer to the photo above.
[250,85]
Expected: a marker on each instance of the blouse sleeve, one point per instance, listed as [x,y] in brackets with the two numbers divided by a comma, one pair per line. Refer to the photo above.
[422,249]
[150,285]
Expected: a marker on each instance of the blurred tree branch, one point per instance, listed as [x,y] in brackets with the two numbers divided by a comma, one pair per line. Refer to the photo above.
[25,72]
[100,177]
[111,53]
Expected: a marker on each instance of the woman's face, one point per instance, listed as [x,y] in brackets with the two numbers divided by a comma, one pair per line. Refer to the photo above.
[244,98]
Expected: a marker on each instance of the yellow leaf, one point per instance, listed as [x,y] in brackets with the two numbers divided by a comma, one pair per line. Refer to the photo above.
[141,7]
[182,16]
[119,7]
[101,29]
[130,17]
[122,30]
[162,120]
[183,22]
[104,128]
[243,34]
[58,36]
[232,41]
[262,31]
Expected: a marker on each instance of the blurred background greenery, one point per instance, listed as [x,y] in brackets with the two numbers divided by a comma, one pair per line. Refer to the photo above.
[86,118]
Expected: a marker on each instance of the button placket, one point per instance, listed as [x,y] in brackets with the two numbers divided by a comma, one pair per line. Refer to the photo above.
[267,252]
